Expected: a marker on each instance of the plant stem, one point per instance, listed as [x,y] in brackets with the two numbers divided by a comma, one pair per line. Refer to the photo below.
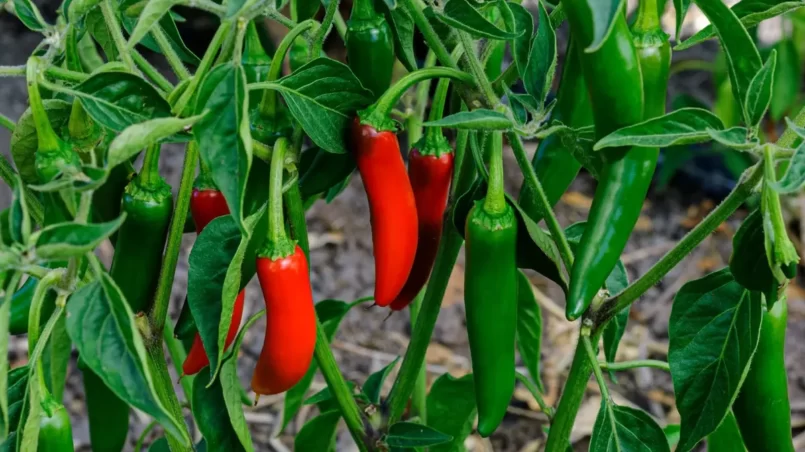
[477,69]
[12,71]
[109,16]
[203,68]
[431,37]
[158,367]
[268,104]
[151,72]
[414,123]
[296,217]
[277,16]
[495,201]
[276,223]
[6,122]
[340,25]
[324,29]
[338,387]
[170,53]
[419,398]
[572,395]
[389,99]
[534,390]
[149,175]
[178,355]
[627,365]
[65,75]
[544,206]
[593,359]
[449,246]
[209,6]
[159,311]
[691,240]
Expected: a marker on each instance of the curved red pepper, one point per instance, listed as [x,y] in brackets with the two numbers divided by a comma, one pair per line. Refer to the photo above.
[207,205]
[430,177]
[290,323]
[392,207]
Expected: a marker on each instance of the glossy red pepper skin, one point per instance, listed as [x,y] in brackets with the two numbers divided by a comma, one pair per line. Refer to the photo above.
[290,323]
[207,205]
[430,177]
[392,207]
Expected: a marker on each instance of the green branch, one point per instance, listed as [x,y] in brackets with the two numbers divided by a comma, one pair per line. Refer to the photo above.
[628,365]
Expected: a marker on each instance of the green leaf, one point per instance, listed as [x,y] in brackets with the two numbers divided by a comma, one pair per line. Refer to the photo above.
[17,384]
[320,171]
[521,45]
[89,178]
[139,136]
[480,118]
[750,12]
[758,96]
[727,437]
[330,313]
[232,390]
[209,263]
[743,59]
[451,410]
[117,100]
[410,434]
[160,445]
[625,428]
[24,141]
[672,434]
[325,395]
[681,7]
[714,331]
[787,79]
[374,383]
[323,96]
[734,138]
[223,135]
[168,25]
[79,8]
[208,408]
[149,17]
[96,25]
[101,325]
[65,240]
[747,262]
[402,27]
[463,15]
[683,126]
[234,279]
[29,15]
[541,67]
[318,433]
[794,177]
[19,221]
[529,327]
[603,17]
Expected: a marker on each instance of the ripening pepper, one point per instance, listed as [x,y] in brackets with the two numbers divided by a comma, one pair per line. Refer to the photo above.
[282,270]
[108,414]
[762,408]
[611,74]
[208,204]
[490,296]
[370,47]
[392,207]
[430,170]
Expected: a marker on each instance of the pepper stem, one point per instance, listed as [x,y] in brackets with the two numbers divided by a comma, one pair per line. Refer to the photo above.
[46,136]
[278,244]
[648,18]
[268,105]
[437,107]
[377,115]
[495,201]
[149,176]
[363,10]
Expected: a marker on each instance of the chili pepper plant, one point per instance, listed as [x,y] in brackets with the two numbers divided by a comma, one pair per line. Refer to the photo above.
[261,144]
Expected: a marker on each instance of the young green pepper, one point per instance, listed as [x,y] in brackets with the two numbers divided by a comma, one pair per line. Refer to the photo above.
[55,432]
[148,203]
[370,47]
[108,414]
[556,168]
[612,73]
[490,295]
[762,407]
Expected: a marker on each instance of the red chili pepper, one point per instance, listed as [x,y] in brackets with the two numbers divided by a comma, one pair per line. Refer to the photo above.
[392,207]
[430,176]
[290,323]
[207,205]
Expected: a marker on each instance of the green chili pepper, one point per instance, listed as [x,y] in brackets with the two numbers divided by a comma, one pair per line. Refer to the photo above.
[370,47]
[256,61]
[762,407]
[148,202]
[106,199]
[612,73]
[490,296]
[55,432]
[555,166]
[108,414]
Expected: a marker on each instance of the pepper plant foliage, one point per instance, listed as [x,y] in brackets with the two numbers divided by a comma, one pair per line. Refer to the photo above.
[260,147]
